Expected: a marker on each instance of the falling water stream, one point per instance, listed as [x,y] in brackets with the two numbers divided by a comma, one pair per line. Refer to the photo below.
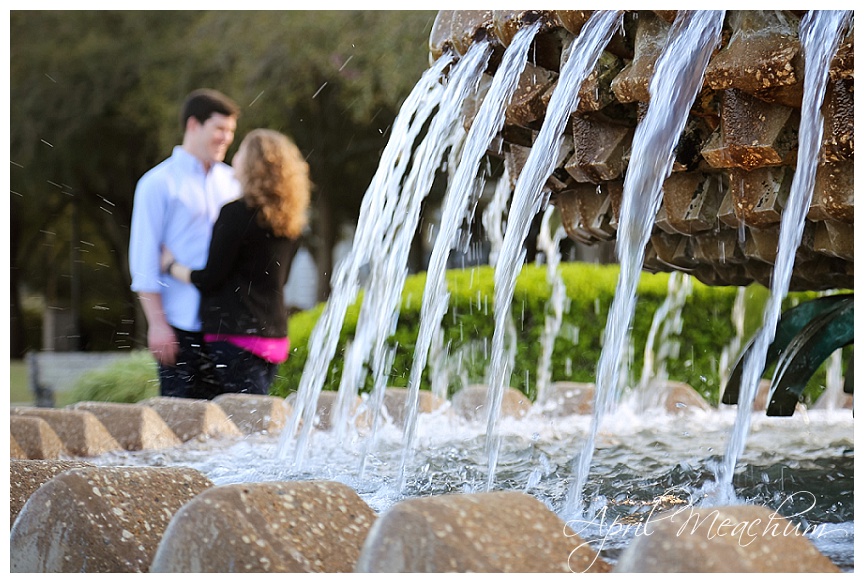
[486,125]
[549,241]
[325,336]
[386,272]
[494,216]
[380,308]
[581,58]
[820,33]
[666,324]
[383,194]
[676,81]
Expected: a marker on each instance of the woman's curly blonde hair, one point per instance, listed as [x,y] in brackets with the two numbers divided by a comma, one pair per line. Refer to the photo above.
[275,179]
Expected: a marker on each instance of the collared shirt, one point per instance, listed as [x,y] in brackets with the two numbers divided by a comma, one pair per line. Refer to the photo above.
[176,204]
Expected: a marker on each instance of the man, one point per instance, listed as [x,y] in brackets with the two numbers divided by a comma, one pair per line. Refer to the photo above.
[176,204]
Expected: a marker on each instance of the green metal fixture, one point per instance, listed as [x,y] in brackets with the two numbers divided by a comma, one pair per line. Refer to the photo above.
[806,335]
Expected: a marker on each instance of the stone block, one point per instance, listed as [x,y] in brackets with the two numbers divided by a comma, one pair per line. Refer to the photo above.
[456,29]
[27,476]
[599,147]
[839,133]
[81,432]
[673,397]
[470,402]
[16,452]
[762,244]
[632,83]
[527,106]
[675,251]
[502,532]
[754,134]
[286,527]
[326,410]
[100,519]
[692,201]
[763,52]
[835,238]
[719,247]
[834,193]
[395,403]
[547,44]
[35,438]
[725,539]
[586,213]
[595,94]
[135,427]
[567,398]
[255,413]
[192,418]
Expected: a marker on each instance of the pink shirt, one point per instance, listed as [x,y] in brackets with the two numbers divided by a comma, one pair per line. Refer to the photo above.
[270,349]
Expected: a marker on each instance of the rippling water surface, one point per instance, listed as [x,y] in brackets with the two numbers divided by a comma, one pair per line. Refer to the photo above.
[802,466]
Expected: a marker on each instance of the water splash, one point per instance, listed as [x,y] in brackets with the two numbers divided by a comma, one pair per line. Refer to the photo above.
[676,81]
[549,241]
[528,199]
[494,216]
[820,32]
[665,324]
[641,458]
[486,125]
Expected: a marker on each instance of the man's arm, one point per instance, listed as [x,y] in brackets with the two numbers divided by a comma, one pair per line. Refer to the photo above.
[161,339]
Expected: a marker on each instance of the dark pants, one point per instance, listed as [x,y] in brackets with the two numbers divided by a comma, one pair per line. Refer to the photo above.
[239,371]
[192,377]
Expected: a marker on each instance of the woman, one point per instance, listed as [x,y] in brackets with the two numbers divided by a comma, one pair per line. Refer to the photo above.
[255,238]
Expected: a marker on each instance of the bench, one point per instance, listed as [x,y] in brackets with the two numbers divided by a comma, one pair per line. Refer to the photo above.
[50,373]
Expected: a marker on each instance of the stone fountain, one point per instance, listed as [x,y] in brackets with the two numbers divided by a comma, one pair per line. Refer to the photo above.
[720,216]
[721,209]
[100,487]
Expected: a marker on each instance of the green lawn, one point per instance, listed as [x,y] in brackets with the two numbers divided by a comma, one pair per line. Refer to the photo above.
[19,387]
[19,390]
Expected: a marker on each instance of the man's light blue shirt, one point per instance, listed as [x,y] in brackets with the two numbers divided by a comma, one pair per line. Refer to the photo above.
[176,204]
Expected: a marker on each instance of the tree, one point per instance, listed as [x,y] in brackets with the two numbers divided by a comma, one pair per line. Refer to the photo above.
[94,99]
[82,131]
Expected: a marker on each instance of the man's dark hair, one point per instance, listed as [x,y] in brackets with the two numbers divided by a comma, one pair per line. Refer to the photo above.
[202,103]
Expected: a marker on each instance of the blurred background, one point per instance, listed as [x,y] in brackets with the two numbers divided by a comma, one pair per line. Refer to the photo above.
[94,103]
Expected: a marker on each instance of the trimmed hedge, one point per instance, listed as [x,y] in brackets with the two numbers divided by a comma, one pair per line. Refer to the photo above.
[469,326]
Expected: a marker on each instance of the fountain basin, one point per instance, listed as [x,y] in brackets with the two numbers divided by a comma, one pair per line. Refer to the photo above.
[240,492]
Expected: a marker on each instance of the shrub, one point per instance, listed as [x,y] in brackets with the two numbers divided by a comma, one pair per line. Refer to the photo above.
[469,325]
[129,380]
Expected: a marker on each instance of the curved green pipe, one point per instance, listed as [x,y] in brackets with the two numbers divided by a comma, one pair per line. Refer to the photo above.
[791,323]
[805,354]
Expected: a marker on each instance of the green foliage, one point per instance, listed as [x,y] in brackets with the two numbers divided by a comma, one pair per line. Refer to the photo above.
[469,326]
[19,383]
[129,380]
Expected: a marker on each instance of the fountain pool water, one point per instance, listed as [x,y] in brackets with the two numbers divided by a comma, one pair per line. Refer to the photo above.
[645,461]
